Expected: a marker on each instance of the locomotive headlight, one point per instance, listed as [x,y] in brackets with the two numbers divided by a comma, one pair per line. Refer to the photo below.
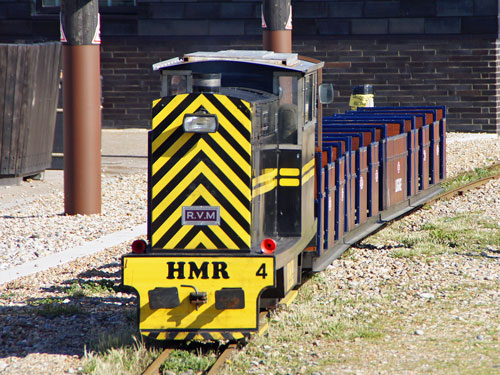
[200,123]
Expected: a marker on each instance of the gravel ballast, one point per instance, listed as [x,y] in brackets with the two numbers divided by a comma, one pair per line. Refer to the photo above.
[35,339]
[38,227]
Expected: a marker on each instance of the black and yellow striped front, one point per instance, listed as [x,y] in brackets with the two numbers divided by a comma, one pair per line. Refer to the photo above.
[190,171]
[190,336]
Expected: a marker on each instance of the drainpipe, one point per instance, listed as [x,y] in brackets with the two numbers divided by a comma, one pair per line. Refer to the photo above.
[82,106]
[277,25]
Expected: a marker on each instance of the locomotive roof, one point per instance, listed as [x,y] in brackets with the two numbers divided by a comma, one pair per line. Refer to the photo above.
[281,61]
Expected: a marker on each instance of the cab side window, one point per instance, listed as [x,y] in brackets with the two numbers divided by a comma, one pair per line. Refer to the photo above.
[309,98]
[288,112]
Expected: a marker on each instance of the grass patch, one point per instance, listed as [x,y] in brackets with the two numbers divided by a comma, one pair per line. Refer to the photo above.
[88,288]
[45,301]
[463,234]
[122,353]
[350,254]
[471,176]
[351,327]
[372,332]
[182,360]
[129,359]
[106,341]
[7,295]
[404,253]
[54,309]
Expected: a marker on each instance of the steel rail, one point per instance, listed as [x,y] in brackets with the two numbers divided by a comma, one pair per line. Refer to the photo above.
[461,190]
[154,367]
[221,360]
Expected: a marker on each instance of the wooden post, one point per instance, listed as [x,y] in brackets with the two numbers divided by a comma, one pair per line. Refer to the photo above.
[277,25]
[82,106]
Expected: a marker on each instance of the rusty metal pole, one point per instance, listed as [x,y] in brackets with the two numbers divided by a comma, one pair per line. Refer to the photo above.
[82,106]
[277,25]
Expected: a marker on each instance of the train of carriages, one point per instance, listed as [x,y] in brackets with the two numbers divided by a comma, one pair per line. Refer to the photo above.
[248,186]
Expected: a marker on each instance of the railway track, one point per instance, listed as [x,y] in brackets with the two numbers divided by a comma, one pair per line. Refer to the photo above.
[154,367]
[493,170]
[230,348]
[222,359]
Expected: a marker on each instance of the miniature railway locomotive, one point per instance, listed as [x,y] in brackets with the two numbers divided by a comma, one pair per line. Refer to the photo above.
[247,187]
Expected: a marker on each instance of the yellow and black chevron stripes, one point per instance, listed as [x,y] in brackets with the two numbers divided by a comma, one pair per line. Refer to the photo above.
[200,169]
[308,171]
[265,182]
[200,336]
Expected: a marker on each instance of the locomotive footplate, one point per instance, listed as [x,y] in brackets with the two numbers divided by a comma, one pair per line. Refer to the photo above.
[200,296]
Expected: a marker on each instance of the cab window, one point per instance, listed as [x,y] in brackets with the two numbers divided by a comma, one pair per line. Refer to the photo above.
[174,83]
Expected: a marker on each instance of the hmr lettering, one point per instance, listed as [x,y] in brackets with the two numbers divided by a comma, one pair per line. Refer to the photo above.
[179,270]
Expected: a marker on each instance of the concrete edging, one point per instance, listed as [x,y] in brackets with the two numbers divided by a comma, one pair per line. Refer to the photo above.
[66,256]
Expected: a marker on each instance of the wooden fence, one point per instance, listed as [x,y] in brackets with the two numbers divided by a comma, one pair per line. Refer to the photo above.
[29,80]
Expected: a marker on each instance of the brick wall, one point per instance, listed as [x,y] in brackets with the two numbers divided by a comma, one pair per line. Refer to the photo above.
[396,17]
[129,83]
[461,73]
[334,17]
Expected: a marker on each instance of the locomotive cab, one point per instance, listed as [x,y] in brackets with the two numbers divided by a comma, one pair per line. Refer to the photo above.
[230,191]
